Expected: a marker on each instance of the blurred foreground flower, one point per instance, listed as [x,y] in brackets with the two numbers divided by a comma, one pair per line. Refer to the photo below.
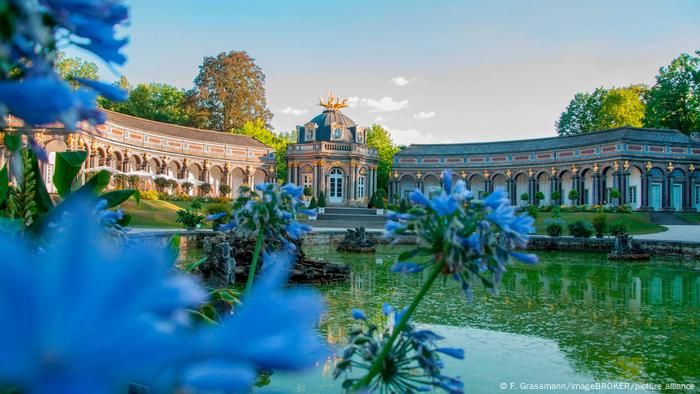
[88,314]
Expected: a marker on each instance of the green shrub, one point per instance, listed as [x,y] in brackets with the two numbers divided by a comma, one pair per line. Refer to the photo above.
[204,188]
[539,196]
[624,208]
[218,208]
[196,204]
[134,181]
[308,191]
[555,197]
[171,185]
[161,183]
[187,186]
[372,201]
[379,203]
[618,228]
[556,211]
[149,195]
[313,204]
[615,194]
[190,218]
[224,189]
[525,197]
[554,227]
[321,200]
[573,196]
[600,224]
[532,211]
[580,229]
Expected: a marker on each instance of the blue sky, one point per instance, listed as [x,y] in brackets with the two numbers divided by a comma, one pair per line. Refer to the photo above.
[430,71]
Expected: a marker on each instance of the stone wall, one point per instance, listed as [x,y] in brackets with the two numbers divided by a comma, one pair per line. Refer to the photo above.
[193,239]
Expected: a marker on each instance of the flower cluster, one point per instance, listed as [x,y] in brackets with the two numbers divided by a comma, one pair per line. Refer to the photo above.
[32,32]
[412,364]
[84,315]
[470,238]
[267,210]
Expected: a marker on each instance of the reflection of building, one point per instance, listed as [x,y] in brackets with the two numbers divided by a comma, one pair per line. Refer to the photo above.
[331,156]
[651,169]
[139,146]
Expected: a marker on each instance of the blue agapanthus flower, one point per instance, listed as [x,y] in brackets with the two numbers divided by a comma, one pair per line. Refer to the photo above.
[413,363]
[33,92]
[77,312]
[474,239]
[86,314]
[270,210]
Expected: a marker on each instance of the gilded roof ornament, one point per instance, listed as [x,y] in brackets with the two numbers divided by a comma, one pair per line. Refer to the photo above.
[333,102]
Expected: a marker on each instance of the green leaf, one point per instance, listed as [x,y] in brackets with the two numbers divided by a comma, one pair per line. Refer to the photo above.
[126,219]
[194,265]
[4,183]
[66,169]
[98,182]
[117,197]
[41,198]
[12,142]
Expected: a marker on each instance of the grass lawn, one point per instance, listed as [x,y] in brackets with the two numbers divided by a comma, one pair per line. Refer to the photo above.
[153,213]
[637,222]
[692,217]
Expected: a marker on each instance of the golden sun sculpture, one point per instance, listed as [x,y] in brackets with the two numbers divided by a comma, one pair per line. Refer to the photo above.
[333,102]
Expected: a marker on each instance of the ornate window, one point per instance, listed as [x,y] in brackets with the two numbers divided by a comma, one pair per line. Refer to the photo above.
[361,181]
[306,180]
[308,134]
[360,136]
[337,133]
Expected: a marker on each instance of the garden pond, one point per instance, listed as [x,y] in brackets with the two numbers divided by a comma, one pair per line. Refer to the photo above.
[572,318]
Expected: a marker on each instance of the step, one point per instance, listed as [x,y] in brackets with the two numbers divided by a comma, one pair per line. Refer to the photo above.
[334,224]
[351,218]
[350,211]
[667,218]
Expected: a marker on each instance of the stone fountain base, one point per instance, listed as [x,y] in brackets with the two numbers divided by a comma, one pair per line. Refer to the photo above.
[357,241]
[623,250]
[229,257]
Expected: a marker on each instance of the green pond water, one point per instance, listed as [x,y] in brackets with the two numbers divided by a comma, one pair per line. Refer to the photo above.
[572,318]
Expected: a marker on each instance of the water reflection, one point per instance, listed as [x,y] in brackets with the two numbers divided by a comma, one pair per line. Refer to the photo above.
[611,322]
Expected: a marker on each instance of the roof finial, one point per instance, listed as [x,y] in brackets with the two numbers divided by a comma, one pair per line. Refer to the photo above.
[333,102]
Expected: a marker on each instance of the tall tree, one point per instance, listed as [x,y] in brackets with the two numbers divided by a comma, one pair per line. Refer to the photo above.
[70,68]
[160,102]
[674,100]
[378,137]
[581,115]
[258,130]
[622,107]
[118,106]
[228,92]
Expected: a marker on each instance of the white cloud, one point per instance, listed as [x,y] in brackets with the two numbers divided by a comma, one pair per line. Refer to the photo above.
[378,119]
[352,101]
[294,111]
[385,104]
[401,81]
[411,136]
[424,115]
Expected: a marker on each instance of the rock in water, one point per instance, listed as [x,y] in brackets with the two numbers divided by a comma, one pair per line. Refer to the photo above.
[229,257]
[357,240]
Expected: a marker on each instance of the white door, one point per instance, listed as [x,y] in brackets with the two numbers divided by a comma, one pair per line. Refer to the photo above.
[335,192]
[655,197]
[677,197]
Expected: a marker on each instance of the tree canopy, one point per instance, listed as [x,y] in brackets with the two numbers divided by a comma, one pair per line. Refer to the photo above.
[674,100]
[380,138]
[603,109]
[258,130]
[228,92]
[70,68]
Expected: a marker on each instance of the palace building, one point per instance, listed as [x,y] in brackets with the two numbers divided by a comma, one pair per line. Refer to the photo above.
[649,169]
[331,155]
[133,146]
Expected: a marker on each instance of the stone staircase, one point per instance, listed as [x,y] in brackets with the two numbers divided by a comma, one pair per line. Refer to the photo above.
[667,218]
[337,217]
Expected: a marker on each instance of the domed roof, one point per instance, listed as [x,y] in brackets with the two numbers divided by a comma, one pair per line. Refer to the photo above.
[330,116]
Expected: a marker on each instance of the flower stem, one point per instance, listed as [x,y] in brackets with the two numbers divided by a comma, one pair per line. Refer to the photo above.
[379,360]
[254,264]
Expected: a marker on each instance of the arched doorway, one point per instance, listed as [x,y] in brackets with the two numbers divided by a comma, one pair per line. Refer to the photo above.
[335,186]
